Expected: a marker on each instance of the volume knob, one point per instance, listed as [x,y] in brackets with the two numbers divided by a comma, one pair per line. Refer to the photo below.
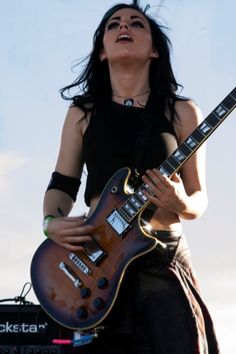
[82,313]
[85,292]
[102,283]
[98,303]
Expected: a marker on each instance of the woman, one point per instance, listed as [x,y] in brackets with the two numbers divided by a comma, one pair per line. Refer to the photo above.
[130,115]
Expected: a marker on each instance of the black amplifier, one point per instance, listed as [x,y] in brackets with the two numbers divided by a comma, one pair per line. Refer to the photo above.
[28,329]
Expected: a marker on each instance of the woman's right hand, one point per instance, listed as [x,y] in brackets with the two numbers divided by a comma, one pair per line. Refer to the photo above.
[70,232]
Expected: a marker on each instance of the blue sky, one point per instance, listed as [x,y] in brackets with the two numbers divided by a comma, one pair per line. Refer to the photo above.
[39,43]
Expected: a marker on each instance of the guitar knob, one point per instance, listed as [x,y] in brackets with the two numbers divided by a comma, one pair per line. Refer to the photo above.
[85,292]
[98,303]
[82,313]
[102,283]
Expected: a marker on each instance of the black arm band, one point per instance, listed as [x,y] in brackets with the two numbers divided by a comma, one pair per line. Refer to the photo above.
[66,184]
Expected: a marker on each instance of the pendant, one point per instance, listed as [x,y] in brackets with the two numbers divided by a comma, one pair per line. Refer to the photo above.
[129,102]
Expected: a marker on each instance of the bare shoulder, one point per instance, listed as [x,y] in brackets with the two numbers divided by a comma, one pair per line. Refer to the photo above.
[188,117]
[188,111]
[70,160]
[76,119]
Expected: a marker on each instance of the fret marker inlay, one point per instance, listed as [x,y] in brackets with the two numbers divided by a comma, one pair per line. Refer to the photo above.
[220,111]
[205,127]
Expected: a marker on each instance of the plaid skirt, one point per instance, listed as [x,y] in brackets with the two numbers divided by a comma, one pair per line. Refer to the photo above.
[159,309]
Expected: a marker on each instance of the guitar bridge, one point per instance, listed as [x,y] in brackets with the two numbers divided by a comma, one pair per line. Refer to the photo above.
[71,275]
[118,223]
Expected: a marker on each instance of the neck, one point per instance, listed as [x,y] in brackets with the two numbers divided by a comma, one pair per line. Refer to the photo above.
[129,81]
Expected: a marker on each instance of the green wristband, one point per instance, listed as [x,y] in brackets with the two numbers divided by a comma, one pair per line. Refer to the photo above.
[46,222]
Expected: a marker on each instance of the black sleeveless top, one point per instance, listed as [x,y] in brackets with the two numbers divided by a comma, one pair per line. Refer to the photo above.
[110,139]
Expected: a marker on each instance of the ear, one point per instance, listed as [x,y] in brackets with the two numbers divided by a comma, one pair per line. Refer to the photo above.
[102,55]
[154,54]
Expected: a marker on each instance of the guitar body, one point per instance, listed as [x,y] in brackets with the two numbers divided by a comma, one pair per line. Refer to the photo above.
[79,289]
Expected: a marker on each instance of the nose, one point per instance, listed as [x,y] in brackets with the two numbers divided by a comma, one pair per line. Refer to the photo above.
[123,25]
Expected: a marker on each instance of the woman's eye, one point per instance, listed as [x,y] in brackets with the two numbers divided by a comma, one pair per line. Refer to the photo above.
[137,24]
[112,25]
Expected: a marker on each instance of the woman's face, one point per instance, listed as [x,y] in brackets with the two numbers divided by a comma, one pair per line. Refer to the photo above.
[127,36]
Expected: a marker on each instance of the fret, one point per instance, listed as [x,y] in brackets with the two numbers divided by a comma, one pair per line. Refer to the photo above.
[167,167]
[223,104]
[179,156]
[139,199]
[191,142]
[173,161]
[228,104]
[220,111]
[213,120]
[135,202]
[219,118]
[130,209]
[124,213]
[163,171]
[205,128]
[136,206]
[229,101]
[233,93]
[198,135]
[133,205]
[146,187]
[141,195]
[185,149]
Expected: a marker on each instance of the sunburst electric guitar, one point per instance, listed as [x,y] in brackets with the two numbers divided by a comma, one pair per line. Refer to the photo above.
[79,289]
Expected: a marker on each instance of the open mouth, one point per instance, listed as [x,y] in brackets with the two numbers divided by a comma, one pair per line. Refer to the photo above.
[124,38]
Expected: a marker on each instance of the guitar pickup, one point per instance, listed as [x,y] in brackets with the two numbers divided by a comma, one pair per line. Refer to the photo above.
[94,251]
[79,263]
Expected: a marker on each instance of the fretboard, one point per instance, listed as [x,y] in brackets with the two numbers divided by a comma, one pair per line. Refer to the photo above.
[138,201]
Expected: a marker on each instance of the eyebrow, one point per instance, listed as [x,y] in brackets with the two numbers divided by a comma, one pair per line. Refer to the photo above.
[132,17]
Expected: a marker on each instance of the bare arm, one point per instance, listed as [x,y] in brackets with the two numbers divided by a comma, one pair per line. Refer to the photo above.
[186,194]
[193,172]
[69,163]
[67,231]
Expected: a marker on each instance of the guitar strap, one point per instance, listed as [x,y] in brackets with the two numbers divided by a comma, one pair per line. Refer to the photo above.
[153,108]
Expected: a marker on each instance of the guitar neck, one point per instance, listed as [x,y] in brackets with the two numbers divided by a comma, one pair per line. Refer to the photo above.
[199,135]
[138,201]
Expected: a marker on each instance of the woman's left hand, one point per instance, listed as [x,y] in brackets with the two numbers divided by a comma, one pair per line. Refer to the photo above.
[165,192]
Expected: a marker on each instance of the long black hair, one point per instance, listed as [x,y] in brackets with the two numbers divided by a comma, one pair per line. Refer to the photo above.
[93,85]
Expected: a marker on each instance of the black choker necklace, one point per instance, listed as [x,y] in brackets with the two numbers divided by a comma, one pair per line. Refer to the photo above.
[129,102]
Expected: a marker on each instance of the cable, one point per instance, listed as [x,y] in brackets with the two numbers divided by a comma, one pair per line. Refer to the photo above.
[22,297]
